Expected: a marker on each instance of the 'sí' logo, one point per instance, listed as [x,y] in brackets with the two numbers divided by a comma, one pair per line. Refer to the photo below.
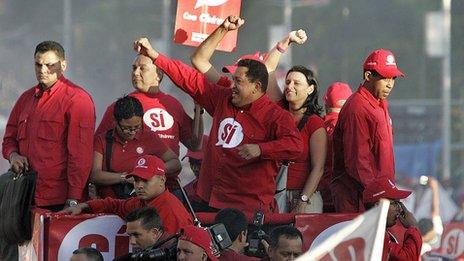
[230,133]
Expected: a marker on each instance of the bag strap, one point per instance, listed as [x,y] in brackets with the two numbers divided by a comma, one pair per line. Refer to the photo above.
[300,126]
[109,149]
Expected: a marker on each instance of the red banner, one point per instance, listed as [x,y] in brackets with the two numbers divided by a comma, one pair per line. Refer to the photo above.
[196,19]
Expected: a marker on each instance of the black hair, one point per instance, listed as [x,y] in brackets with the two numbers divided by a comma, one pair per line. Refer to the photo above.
[160,73]
[312,101]
[257,72]
[126,108]
[287,231]
[425,225]
[149,218]
[234,220]
[91,253]
[46,46]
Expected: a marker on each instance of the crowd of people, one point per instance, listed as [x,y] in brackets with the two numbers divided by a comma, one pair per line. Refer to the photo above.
[340,158]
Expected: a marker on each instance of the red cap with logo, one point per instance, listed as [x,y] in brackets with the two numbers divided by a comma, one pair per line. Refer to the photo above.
[148,166]
[198,155]
[383,62]
[260,57]
[200,237]
[337,91]
[383,188]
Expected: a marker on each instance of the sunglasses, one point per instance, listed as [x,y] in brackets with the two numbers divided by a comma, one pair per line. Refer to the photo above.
[130,129]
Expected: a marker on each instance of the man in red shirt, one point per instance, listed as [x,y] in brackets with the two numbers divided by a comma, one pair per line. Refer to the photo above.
[248,135]
[334,98]
[195,245]
[149,183]
[410,248]
[50,130]
[163,116]
[363,138]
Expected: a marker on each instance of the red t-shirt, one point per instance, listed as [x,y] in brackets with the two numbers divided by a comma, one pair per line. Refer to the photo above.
[173,214]
[363,140]
[330,120]
[226,179]
[125,153]
[299,169]
[163,116]
[54,129]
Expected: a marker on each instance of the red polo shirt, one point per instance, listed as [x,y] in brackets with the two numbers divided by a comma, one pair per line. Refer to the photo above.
[53,129]
[410,248]
[362,143]
[226,179]
[163,116]
[125,153]
[299,169]
[173,214]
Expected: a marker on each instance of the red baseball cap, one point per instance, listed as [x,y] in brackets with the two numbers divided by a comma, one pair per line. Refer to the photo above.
[200,237]
[383,188]
[260,57]
[148,166]
[199,153]
[383,62]
[337,91]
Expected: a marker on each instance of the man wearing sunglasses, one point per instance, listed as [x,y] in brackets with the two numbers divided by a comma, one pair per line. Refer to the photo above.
[410,248]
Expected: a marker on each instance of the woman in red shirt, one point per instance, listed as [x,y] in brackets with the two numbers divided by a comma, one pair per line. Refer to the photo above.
[301,100]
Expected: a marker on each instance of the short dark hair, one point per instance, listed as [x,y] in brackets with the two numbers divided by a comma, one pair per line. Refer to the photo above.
[373,72]
[127,107]
[149,218]
[46,46]
[234,220]
[257,72]
[160,73]
[91,253]
[425,225]
[287,231]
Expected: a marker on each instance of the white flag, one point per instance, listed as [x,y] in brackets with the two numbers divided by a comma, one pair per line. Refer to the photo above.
[358,239]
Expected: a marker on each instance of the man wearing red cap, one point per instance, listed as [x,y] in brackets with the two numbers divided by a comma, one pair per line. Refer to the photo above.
[249,134]
[195,245]
[149,183]
[410,248]
[363,138]
[334,98]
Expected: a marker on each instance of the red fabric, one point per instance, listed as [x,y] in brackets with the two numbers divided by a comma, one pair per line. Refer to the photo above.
[181,129]
[271,218]
[190,190]
[363,140]
[54,131]
[231,255]
[299,169]
[147,167]
[125,154]
[227,180]
[383,62]
[346,196]
[173,214]
[330,120]
[337,91]
[409,250]
[200,237]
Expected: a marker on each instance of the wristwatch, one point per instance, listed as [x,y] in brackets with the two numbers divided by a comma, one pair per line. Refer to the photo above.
[72,202]
[304,198]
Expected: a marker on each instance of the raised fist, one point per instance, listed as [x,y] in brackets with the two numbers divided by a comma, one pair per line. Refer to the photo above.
[232,22]
[298,36]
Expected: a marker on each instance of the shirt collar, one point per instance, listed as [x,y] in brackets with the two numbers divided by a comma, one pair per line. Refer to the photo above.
[371,99]
[38,92]
[255,105]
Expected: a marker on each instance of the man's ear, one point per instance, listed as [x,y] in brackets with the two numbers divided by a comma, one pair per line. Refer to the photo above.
[368,75]
[64,65]
[257,87]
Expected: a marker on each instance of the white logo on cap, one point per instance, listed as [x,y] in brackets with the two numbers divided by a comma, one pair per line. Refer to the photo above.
[139,150]
[230,133]
[391,183]
[160,169]
[390,60]
[158,119]
[141,162]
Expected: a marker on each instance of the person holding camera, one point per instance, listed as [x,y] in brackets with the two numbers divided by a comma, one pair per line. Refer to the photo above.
[285,243]
[236,225]
[149,183]
[195,245]
[410,249]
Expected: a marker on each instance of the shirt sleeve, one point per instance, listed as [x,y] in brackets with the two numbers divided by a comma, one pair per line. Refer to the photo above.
[437,225]
[120,207]
[287,144]
[10,141]
[191,81]
[107,121]
[81,126]
[186,128]
[98,144]
[411,247]
[357,148]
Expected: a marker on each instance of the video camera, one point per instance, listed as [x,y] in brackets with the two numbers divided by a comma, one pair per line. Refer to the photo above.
[255,247]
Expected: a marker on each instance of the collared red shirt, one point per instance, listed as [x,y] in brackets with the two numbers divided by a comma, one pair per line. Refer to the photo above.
[125,153]
[409,249]
[173,214]
[53,129]
[226,179]
[330,120]
[163,116]
[363,140]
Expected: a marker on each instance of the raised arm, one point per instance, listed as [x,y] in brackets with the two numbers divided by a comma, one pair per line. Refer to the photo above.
[202,55]
[272,60]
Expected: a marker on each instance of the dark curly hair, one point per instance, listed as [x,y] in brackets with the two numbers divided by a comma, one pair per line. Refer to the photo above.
[312,101]
[127,107]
